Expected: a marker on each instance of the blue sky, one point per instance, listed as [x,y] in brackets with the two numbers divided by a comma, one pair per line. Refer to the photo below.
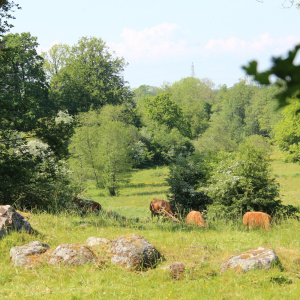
[160,39]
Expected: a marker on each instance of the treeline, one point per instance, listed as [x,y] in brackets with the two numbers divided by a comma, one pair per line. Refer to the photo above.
[68,117]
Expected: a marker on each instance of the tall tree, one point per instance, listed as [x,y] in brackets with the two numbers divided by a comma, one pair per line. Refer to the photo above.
[166,112]
[6,7]
[24,91]
[102,148]
[32,139]
[86,76]
[195,97]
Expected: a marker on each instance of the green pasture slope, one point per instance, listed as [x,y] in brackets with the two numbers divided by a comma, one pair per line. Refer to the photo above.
[202,251]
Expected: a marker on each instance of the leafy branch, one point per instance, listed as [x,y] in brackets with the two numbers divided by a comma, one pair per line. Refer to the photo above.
[287,73]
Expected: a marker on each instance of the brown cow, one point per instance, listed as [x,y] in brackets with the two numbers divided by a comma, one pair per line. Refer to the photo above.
[160,207]
[195,217]
[252,219]
[86,205]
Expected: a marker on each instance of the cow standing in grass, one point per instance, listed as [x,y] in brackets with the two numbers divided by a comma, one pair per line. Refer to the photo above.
[161,208]
[252,219]
[195,217]
[86,205]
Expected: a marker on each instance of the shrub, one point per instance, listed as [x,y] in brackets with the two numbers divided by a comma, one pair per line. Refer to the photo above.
[242,182]
[184,179]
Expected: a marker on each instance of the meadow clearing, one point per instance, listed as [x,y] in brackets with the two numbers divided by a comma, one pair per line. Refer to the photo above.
[202,250]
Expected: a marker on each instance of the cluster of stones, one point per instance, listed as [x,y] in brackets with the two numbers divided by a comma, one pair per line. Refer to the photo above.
[130,251]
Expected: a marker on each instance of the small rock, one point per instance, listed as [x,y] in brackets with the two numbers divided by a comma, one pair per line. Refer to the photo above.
[24,256]
[260,258]
[72,255]
[135,252]
[11,220]
[177,270]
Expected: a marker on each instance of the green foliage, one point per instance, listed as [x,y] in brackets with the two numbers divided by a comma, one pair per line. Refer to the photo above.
[102,148]
[31,176]
[144,91]
[32,138]
[24,91]
[85,76]
[166,112]
[164,145]
[287,132]
[242,182]
[287,73]
[56,132]
[184,179]
[6,7]
[239,112]
[195,97]
[261,114]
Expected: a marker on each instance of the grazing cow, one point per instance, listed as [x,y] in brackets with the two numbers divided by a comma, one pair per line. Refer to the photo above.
[195,217]
[86,205]
[252,219]
[160,207]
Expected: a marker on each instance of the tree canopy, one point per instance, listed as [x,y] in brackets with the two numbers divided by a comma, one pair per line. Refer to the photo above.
[85,76]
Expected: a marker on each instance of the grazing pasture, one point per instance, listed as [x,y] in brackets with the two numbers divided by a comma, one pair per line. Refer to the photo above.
[201,250]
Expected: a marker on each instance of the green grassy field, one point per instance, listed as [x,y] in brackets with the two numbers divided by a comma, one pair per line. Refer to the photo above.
[201,250]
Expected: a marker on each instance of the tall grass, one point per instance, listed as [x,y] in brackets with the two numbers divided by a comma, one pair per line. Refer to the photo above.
[202,250]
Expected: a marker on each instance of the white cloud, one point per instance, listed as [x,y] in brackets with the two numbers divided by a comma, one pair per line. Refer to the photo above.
[168,41]
[262,43]
[155,43]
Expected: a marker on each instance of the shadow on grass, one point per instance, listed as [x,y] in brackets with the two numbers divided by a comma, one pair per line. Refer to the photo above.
[146,193]
[111,218]
[108,219]
[142,185]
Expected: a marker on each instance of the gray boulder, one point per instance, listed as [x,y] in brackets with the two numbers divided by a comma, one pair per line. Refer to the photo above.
[11,220]
[72,255]
[27,255]
[95,241]
[260,258]
[135,252]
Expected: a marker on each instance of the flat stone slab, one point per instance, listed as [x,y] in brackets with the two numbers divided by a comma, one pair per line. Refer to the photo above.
[259,258]
[24,256]
[72,255]
[135,252]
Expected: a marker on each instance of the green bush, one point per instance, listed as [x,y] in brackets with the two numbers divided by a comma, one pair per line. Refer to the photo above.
[184,179]
[242,182]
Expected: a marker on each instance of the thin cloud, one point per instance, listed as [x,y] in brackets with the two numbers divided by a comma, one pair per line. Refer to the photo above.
[261,44]
[155,43]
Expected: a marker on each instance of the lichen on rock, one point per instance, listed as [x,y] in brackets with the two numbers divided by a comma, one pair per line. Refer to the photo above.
[260,258]
[135,252]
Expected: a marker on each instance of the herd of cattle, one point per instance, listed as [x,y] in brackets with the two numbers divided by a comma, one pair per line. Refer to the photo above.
[250,219]
[163,208]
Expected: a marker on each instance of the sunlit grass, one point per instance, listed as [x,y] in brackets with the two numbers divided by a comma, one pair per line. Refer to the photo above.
[288,176]
[202,250]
